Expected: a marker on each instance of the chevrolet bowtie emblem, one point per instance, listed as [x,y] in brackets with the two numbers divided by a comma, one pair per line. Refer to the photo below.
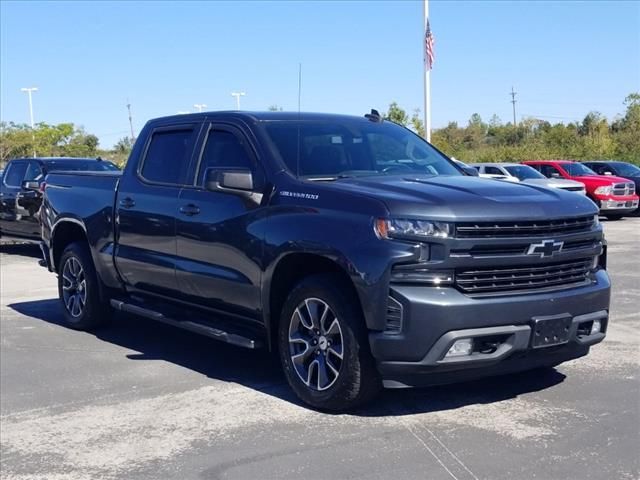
[546,248]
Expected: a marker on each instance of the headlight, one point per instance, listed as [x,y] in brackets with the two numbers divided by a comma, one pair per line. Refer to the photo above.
[604,190]
[412,229]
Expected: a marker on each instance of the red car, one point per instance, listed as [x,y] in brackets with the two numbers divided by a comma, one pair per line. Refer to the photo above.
[616,196]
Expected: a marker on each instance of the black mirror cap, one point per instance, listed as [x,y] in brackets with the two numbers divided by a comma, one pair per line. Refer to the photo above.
[31,185]
[231,180]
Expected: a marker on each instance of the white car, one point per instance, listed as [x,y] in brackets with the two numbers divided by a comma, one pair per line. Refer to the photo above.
[516,172]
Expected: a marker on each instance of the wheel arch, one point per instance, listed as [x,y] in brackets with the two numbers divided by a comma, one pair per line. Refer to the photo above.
[65,232]
[288,271]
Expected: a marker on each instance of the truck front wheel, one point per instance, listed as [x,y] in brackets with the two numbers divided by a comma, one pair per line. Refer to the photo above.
[78,289]
[324,347]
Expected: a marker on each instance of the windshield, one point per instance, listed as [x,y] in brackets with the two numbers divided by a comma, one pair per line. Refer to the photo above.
[80,166]
[627,170]
[578,170]
[524,172]
[346,148]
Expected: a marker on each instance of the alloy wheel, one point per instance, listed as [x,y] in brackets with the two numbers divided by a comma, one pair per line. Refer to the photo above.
[74,287]
[316,344]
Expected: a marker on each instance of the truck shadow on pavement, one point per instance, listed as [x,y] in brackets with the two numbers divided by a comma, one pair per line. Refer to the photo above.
[27,250]
[260,370]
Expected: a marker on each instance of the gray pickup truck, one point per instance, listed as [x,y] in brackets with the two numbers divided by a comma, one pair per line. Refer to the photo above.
[350,246]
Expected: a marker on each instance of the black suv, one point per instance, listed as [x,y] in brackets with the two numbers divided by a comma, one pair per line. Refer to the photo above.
[20,192]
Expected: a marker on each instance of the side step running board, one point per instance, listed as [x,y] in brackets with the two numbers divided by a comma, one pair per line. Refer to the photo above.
[196,327]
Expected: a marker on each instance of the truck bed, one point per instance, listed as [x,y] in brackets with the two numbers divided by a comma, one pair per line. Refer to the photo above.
[88,197]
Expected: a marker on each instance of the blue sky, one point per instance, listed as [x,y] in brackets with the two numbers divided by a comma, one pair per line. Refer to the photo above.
[563,58]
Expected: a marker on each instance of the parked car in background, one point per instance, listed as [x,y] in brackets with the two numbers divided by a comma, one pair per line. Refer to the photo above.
[619,169]
[468,169]
[516,172]
[492,172]
[616,196]
[347,244]
[21,192]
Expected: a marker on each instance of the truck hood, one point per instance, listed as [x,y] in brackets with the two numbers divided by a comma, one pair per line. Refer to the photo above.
[553,182]
[600,179]
[467,198]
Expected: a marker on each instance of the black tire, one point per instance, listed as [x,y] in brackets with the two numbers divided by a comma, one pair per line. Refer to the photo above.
[77,277]
[357,380]
[614,217]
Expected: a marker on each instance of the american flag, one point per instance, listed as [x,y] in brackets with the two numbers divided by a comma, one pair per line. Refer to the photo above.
[429,54]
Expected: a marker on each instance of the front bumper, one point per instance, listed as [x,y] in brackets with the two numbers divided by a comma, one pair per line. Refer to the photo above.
[435,317]
[615,205]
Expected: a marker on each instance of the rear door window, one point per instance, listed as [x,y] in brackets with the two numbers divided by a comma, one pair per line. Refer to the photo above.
[15,174]
[168,155]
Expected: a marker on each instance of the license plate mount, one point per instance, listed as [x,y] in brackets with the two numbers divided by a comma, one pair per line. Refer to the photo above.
[550,331]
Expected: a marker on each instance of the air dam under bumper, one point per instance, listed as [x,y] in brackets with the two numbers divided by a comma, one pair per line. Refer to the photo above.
[506,332]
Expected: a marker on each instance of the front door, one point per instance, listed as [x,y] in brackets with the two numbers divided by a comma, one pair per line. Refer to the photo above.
[220,234]
[146,206]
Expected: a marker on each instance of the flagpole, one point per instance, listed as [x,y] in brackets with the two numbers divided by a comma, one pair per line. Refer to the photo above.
[427,77]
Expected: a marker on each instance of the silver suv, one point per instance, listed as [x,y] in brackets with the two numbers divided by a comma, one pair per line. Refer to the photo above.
[516,172]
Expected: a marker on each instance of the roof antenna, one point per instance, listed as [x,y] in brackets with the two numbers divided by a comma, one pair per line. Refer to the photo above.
[299,96]
[374,116]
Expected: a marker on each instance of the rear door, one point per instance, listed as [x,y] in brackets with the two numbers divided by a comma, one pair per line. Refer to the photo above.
[146,207]
[220,234]
[10,216]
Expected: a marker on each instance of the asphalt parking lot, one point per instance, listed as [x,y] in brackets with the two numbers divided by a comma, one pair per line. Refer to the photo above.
[144,400]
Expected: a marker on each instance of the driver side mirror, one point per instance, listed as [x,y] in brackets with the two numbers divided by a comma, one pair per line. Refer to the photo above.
[232,180]
[472,172]
[555,175]
[31,185]
[607,173]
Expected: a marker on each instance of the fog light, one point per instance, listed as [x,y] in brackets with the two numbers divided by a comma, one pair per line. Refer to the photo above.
[461,348]
[595,327]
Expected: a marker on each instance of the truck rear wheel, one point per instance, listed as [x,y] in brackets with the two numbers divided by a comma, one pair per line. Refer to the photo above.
[78,289]
[323,346]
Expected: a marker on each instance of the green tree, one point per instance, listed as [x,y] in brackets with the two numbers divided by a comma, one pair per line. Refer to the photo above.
[64,139]
[417,125]
[396,114]
[124,145]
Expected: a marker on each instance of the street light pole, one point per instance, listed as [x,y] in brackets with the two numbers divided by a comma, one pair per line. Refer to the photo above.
[238,95]
[199,106]
[29,91]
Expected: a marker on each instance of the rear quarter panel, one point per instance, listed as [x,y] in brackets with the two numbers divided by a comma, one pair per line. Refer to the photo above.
[85,199]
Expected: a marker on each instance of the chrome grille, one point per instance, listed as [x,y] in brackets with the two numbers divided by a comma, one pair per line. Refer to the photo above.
[624,189]
[524,229]
[520,249]
[526,277]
